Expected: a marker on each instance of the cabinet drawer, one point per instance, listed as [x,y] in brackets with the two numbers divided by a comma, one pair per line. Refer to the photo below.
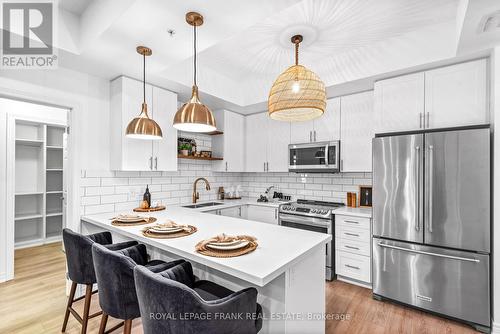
[351,233]
[353,266]
[356,247]
[350,221]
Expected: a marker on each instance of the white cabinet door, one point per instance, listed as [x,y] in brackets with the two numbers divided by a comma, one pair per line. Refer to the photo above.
[457,95]
[165,150]
[278,138]
[357,132]
[327,127]
[231,144]
[234,142]
[301,132]
[399,103]
[231,212]
[256,128]
[263,214]
[126,101]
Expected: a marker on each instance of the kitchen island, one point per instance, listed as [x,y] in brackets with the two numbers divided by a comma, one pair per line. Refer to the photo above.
[288,267]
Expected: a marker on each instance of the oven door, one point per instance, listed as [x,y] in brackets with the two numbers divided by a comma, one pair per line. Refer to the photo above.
[316,225]
[319,157]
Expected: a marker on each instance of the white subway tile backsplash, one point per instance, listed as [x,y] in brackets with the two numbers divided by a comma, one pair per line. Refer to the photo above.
[109,191]
[92,191]
[114,181]
[114,198]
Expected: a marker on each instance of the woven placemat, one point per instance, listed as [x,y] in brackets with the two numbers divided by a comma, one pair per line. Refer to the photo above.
[142,222]
[147,233]
[252,245]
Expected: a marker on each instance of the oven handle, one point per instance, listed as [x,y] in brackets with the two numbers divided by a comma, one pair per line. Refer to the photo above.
[311,221]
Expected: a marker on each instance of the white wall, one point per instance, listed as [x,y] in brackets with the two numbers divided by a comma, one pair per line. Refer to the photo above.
[70,89]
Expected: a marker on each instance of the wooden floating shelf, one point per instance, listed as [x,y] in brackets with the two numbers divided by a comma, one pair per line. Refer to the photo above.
[191,157]
[215,133]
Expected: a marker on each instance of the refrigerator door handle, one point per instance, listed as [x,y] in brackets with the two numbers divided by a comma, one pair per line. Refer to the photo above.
[417,187]
[429,253]
[431,181]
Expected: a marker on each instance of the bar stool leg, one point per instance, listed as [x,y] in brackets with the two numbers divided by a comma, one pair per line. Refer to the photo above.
[104,321]
[86,309]
[127,328]
[70,303]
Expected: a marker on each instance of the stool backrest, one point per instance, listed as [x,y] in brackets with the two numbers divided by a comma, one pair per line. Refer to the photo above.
[78,248]
[115,279]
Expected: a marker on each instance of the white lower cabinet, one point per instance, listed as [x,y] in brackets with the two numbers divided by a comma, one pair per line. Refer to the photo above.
[353,248]
[265,214]
[231,212]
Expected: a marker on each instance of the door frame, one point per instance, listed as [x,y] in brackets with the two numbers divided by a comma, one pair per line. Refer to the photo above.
[75,104]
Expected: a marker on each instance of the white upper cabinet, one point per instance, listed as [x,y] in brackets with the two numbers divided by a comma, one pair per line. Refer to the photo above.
[450,96]
[231,144]
[327,127]
[137,154]
[266,144]
[278,138]
[399,103]
[164,109]
[256,142]
[324,128]
[357,132]
[301,132]
[457,95]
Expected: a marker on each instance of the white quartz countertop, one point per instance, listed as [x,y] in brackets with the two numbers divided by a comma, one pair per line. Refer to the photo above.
[279,247]
[357,212]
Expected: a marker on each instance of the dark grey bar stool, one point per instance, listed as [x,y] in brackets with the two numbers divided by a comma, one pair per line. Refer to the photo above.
[175,292]
[78,248]
[115,278]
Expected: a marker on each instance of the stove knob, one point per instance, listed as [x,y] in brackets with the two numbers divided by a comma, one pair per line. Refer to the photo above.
[292,208]
[324,212]
[313,211]
[286,208]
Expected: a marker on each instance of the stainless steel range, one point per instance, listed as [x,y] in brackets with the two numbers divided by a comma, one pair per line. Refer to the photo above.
[314,216]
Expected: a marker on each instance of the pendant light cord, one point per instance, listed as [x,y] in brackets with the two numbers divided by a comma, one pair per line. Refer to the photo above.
[195,55]
[144,77]
[297,52]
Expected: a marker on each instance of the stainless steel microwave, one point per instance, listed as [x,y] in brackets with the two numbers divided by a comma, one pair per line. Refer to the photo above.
[321,157]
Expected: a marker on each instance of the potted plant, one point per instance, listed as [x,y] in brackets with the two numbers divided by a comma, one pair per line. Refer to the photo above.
[184,148]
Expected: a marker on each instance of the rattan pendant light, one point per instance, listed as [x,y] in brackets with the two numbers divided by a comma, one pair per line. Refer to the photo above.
[298,94]
[194,116]
[143,127]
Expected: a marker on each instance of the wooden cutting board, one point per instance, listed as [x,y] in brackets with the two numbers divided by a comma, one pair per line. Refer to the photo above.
[158,208]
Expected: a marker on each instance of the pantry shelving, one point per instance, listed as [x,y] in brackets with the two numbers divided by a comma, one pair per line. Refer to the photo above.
[38,203]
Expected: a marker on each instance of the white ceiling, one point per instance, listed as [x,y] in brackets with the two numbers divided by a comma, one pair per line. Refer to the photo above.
[244,45]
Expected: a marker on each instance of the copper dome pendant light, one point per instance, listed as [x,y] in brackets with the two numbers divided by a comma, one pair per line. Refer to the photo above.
[143,127]
[194,116]
[298,94]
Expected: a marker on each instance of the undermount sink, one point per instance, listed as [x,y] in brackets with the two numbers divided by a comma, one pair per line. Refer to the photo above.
[201,205]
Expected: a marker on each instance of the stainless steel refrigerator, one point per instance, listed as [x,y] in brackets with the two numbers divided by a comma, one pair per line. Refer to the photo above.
[431,221]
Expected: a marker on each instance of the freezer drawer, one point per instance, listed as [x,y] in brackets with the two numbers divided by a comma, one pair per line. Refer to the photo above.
[453,283]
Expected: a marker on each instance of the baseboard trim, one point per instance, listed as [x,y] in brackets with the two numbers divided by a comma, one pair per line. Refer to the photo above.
[3,278]
[355,282]
[495,327]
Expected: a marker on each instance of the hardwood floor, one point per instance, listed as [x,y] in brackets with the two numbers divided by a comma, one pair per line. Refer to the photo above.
[34,302]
